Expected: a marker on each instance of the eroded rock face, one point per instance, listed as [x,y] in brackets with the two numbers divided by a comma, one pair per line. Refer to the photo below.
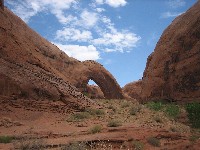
[38,69]
[133,89]
[173,69]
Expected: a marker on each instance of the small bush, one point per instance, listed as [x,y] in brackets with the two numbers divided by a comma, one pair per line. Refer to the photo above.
[6,139]
[138,145]
[172,110]
[193,110]
[125,104]
[194,138]
[154,141]
[79,116]
[95,129]
[155,105]
[134,110]
[114,123]
[113,108]
[95,112]
[158,119]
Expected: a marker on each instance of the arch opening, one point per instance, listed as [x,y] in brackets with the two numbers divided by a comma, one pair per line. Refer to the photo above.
[93,90]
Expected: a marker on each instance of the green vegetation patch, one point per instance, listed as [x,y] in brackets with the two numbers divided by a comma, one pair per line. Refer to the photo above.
[154,141]
[156,106]
[114,123]
[193,110]
[6,139]
[95,112]
[95,129]
[138,145]
[172,110]
[79,116]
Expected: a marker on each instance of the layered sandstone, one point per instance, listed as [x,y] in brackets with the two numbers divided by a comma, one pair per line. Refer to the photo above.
[173,69]
[32,67]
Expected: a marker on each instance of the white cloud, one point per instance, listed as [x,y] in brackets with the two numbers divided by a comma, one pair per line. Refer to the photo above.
[99,10]
[72,34]
[176,3]
[89,19]
[28,8]
[116,3]
[112,3]
[120,41]
[108,50]
[80,52]
[170,14]
[99,1]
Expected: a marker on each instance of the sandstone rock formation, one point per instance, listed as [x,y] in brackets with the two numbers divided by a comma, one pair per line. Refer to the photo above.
[93,92]
[133,89]
[30,66]
[173,69]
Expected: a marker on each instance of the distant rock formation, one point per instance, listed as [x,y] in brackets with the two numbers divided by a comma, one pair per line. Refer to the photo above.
[32,67]
[133,89]
[93,92]
[173,69]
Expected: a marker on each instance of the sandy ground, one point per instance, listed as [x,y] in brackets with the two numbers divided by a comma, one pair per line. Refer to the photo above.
[51,124]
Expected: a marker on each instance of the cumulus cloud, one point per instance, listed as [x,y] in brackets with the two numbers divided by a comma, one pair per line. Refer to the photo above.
[112,3]
[170,14]
[28,8]
[89,19]
[119,41]
[86,26]
[72,34]
[176,3]
[80,52]
[100,10]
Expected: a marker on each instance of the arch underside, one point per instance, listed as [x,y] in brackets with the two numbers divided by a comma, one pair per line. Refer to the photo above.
[107,84]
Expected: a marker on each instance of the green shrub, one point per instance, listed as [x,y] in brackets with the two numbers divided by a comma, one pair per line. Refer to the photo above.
[114,123]
[95,112]
[113,108]
[193,110]
[79,116]
[95,129]
[6,139]
[125,104]
[155,105]
[134,110]
[138,145]
[172,110]
[154,141]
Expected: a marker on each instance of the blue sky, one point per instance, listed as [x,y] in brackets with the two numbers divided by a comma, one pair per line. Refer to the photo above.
[119,34]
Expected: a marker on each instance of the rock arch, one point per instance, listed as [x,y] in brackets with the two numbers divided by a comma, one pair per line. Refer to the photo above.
[102,78]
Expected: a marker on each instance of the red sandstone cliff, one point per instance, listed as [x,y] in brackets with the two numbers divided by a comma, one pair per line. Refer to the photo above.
[173,69]
[32,67]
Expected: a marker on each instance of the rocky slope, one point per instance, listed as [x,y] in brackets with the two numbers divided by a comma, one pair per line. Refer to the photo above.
[173,69]
[32,67]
